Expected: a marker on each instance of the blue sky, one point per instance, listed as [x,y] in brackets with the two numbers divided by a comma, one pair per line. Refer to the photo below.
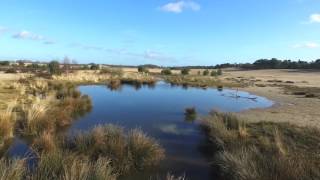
[163,32]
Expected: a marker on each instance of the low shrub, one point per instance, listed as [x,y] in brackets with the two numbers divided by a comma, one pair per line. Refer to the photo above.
[166,72]
[143,69]
[205,72]
[185,71]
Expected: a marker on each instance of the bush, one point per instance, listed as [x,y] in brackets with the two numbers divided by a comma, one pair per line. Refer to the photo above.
[205,72]
[219,72]
[185,71]
[143,69]
[214,73]
[166,72]
[54,67]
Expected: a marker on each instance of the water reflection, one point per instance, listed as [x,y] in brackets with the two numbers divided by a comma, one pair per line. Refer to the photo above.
[160,111]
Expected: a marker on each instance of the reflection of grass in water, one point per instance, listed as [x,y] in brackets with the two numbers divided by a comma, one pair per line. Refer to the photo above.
[262,150]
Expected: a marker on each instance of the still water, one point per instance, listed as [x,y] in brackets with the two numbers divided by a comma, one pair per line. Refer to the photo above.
[159,111]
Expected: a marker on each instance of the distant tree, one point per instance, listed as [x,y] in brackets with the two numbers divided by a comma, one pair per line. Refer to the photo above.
[166,72]
[94,66]
[4,63]
[205,72]
[185,71]
[54,67]
[143,69]
[214,73]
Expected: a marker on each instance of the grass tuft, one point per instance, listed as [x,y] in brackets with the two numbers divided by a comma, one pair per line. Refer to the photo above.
[262,150]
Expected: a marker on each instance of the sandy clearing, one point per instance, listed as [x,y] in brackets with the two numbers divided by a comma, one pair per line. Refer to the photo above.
[288,108]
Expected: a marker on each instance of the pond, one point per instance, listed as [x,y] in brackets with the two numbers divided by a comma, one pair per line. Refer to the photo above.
[159,111]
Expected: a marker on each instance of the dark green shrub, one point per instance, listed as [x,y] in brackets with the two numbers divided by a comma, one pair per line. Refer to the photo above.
[54,67]
[166,72]
[214,73]
[185,71]
[143,69]
[206,72]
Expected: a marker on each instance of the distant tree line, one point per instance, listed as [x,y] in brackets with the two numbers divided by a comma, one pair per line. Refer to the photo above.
[274,64]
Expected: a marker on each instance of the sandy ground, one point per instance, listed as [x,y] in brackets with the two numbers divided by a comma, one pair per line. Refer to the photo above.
[287,108]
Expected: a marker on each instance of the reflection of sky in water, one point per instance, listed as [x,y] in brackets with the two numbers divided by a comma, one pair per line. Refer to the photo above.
[173,129]
[159,112]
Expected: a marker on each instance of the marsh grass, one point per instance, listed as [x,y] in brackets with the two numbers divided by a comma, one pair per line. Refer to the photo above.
[127,152]
[105,152]
[262,150]
[7,122]
[190,114]
[12,169]
[34,117]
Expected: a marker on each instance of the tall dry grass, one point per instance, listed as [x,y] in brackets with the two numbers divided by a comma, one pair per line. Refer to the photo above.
[12,169]
[127,152]
[262,150]
[34,117]
[7,122]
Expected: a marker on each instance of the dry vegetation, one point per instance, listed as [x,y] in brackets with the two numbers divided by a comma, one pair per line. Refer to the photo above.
[200,81]
[262,150]
[253,150]
[45,105]
[106,152]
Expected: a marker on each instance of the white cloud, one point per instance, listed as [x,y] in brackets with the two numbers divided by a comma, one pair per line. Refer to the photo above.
[28,35]
[180,6]
[154,55]
[314,18]
[308,45]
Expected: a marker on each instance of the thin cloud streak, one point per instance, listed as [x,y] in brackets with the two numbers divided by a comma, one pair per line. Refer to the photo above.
[307,45]
[27,35]
[180,6]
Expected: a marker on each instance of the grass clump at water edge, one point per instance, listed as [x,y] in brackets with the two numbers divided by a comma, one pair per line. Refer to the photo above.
[262,150]
[106,146]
